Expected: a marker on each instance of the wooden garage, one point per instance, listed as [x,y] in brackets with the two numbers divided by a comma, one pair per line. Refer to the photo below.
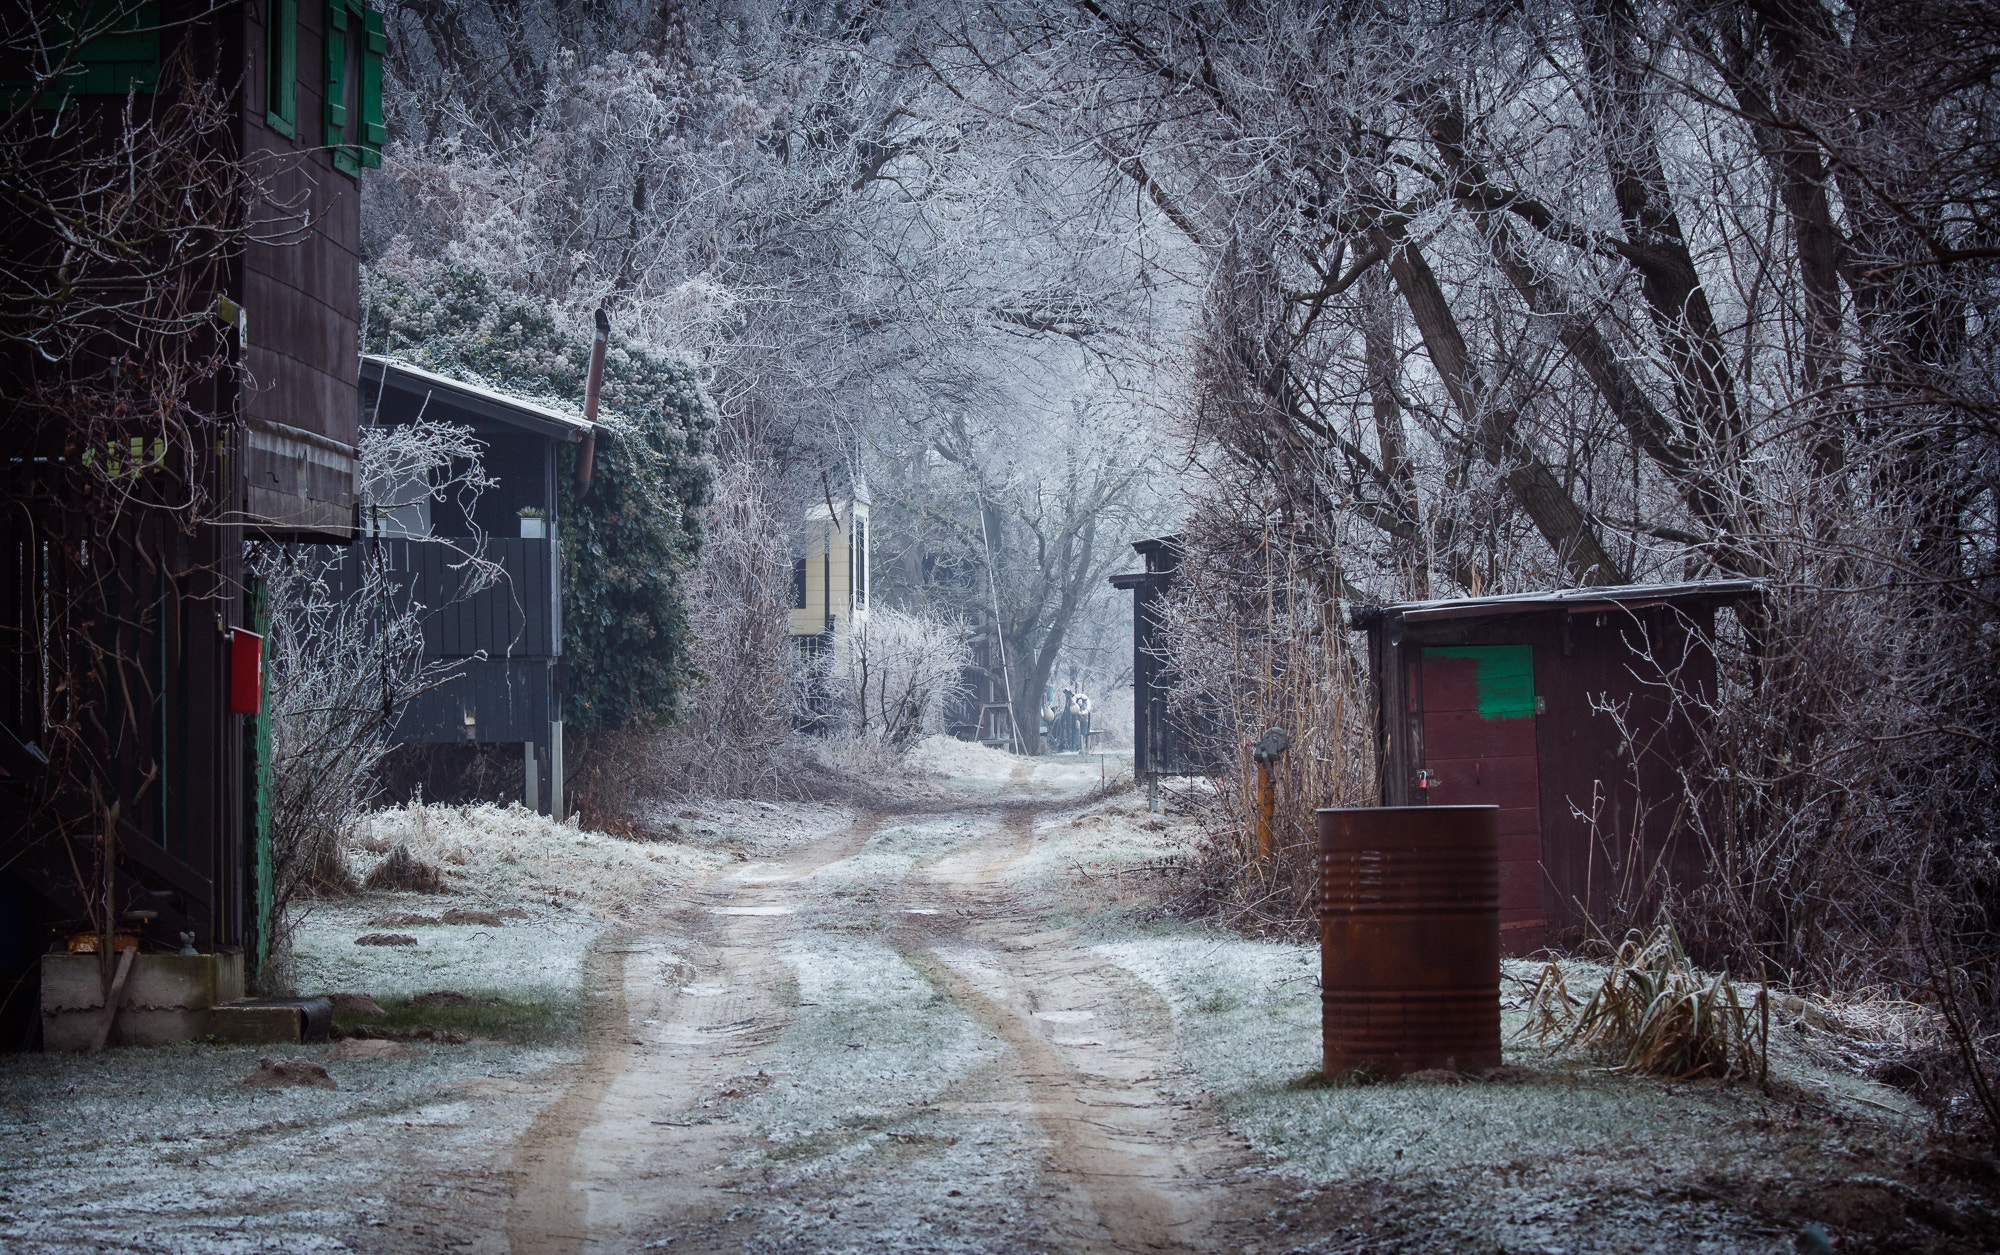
[1576,713]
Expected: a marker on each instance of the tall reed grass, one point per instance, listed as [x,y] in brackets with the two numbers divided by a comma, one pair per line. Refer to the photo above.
[1259,643]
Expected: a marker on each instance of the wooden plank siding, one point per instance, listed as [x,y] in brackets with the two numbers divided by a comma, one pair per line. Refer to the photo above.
[1596,821]
[300,278]
[509,619]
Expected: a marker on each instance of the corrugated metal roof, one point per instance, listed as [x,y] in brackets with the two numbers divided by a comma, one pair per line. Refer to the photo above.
[536,416]
[1576,600]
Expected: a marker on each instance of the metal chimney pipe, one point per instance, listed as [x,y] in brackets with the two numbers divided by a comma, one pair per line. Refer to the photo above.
[591,385]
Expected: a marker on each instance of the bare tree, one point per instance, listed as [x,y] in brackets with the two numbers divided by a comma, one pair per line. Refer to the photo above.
[1500,298]
[345,656]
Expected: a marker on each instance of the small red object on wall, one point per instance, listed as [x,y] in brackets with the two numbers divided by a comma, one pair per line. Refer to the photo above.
[246,672]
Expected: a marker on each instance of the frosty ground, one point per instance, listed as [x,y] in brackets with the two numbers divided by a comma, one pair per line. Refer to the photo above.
[950,1019]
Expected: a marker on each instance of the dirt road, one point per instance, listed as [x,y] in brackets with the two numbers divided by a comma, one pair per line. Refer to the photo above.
[804,1031]
[873,1043]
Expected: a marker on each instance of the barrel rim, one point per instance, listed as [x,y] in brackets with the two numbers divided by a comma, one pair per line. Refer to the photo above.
[1365,810]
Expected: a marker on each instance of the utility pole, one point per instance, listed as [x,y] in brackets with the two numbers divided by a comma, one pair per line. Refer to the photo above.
[999,634]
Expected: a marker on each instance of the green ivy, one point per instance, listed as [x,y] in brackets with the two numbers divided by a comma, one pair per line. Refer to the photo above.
[628,544]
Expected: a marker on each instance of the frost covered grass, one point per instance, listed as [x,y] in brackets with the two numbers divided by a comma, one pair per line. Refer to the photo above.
[743,829]
[891,853]
[1247,1024]
[882,1085]
[565,886]
[545,1020]
[1112,839]
[510,854]
[164,1149]
[537,959]
[871,1039]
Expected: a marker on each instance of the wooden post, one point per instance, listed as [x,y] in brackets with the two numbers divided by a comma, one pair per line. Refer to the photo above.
[1265,807]
[1266,752]
[112,999]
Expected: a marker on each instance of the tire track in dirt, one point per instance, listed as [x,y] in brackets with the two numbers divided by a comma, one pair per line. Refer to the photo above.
[548,1214]
[1139,1175]
[597,1165]
[1114,1197]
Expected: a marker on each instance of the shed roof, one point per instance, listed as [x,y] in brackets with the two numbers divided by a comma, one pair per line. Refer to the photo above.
[477,399]
[1574,600]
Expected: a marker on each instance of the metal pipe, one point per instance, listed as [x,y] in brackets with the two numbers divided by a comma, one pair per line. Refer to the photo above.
[591,386]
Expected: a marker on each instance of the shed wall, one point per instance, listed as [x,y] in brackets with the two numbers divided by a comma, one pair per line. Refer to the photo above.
[1613,733]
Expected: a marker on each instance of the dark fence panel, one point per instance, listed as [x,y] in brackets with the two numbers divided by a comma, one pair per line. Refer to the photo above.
[510,619]
[506,700]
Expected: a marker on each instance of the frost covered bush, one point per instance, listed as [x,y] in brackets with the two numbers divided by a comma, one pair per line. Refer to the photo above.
[904,669]
[629,542]
[735,724]
[1247,632]
[344,654]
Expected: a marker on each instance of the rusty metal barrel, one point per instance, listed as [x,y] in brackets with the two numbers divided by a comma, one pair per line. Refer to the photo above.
[1409,936]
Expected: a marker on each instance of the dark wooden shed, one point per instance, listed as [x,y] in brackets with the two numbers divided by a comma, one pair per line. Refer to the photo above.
[1574,712]
[505,642]
[1159,747]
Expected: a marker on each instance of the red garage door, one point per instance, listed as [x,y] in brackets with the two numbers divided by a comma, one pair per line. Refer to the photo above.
[1478,706]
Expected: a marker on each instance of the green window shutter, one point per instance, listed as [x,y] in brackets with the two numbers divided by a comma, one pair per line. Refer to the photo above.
[373,132]
[336,73]
[125,56]
[281,67]
[122,51]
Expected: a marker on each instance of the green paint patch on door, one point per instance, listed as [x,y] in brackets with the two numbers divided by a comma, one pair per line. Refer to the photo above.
[1504,674]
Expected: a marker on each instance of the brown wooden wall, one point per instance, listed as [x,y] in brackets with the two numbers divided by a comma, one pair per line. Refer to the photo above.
[177,766]
[301,291]
[1612,809]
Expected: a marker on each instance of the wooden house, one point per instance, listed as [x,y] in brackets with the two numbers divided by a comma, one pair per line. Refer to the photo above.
[168,806]
[1575,713]
[830,583]
[503,643]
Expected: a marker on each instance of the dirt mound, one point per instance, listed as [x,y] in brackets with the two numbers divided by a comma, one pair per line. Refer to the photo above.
[385,939]
[403,919]
[354,1004]
[278,1073]
[405,872]
[376,1032]
[443,998]
[373,1048]
[487,919]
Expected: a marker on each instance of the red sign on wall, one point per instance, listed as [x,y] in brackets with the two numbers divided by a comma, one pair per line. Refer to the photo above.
[246,672]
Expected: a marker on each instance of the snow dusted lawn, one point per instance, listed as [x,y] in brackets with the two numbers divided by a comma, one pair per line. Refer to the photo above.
[572,885]
[165,1150]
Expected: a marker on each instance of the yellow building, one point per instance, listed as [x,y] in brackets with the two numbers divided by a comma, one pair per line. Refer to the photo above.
[830,583]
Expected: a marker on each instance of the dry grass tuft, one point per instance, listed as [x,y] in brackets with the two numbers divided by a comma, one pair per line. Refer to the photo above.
[404,871]
[1657,1015]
